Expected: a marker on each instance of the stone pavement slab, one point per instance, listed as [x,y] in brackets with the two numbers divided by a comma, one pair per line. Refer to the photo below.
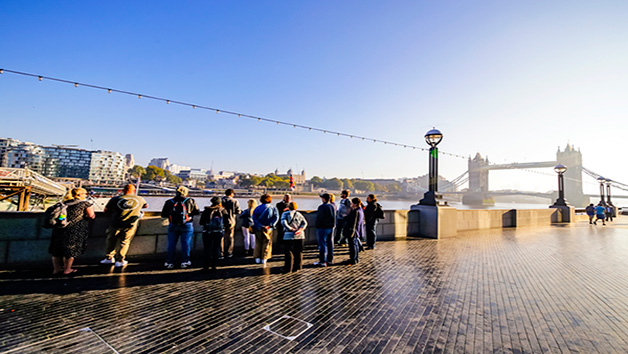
[551,289]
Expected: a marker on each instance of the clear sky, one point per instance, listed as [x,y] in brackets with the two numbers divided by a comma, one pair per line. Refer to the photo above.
[509,79]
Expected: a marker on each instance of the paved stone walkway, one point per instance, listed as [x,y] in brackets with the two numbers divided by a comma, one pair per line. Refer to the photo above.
[531,290]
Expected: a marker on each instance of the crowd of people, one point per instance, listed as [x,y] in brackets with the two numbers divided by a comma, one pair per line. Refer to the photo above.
[350,224]
[602,211]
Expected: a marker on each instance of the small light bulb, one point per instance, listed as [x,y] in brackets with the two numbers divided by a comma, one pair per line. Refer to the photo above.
[109,90]
[168,101]
[139,96]
[1,71]
[75,84]
[239,115]
[194,106]
[217,111]
[40,78]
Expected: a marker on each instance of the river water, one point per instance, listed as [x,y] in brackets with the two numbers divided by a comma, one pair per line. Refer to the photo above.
[311,203]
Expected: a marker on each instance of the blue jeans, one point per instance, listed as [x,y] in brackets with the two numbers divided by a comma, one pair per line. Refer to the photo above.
[371,233]
[186,232]
[325,245]
[354,249]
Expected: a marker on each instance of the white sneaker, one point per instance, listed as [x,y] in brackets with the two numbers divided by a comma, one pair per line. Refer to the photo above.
[121,264]
[186,264]
[107,261]
[257,260]
[168,265]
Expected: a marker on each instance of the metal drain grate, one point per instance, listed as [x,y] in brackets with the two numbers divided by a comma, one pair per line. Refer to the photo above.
[288,327]
[82,341]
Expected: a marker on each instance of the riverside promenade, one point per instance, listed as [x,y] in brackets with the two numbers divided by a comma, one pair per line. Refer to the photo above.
[554,289]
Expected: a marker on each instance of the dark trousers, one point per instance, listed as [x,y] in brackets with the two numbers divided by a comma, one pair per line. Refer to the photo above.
[211,248]
[354,249]
[371,234]
[340,224]
[294,255]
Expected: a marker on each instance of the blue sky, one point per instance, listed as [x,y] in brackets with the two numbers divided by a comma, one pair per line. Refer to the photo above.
[511,80]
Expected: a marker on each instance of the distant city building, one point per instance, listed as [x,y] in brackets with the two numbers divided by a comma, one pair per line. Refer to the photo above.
[194,173]
[220,175]
[106,167]
[64,162]
[162,163]
[5,146]
[129,161]
[26,155]
[298,179]
[176,169]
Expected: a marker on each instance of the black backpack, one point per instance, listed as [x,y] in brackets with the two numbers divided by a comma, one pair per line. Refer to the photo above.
[215,223]
[179,213]
[379,212]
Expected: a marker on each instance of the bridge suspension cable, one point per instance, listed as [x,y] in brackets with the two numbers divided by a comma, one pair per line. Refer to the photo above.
[615,184]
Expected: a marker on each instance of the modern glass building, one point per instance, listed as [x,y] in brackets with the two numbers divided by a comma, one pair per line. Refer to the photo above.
[58,161]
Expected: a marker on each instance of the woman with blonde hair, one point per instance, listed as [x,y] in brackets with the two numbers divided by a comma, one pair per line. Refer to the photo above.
[71,241]
[247,227]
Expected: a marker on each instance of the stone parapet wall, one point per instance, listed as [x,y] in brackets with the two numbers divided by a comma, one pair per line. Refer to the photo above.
[23,240]
[500,218]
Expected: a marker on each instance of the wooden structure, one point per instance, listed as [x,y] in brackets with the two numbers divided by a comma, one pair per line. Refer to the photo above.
[22,183]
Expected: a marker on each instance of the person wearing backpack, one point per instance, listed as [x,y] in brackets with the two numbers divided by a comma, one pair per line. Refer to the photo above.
[70,240]
[294,225]
[233,209]
[125,211]
[179,211]
[372,213]
[212,220]
[344,208]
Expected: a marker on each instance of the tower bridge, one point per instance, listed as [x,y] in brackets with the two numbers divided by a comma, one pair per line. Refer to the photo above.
[479,168]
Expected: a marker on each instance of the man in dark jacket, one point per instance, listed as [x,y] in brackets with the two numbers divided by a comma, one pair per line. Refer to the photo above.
[325,223]
[233,209]
[372,213]
[179,211]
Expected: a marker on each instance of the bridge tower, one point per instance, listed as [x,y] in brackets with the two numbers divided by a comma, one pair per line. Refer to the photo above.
[478,182]
[572,158]
[478,174]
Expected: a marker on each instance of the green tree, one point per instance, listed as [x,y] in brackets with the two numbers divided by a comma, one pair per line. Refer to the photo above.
[137,171]
[334,184]
[174,179]
[316,181]
[153,173]
[347,183]
[366,186]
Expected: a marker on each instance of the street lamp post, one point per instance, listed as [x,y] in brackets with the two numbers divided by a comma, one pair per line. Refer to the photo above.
[560,170]
[608,192]
[433,138]
[602,180]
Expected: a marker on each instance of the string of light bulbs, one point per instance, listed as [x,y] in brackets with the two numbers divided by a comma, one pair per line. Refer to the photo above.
[242,115]
[222,111]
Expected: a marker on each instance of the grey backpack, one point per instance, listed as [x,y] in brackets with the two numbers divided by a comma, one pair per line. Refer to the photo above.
[56,217]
